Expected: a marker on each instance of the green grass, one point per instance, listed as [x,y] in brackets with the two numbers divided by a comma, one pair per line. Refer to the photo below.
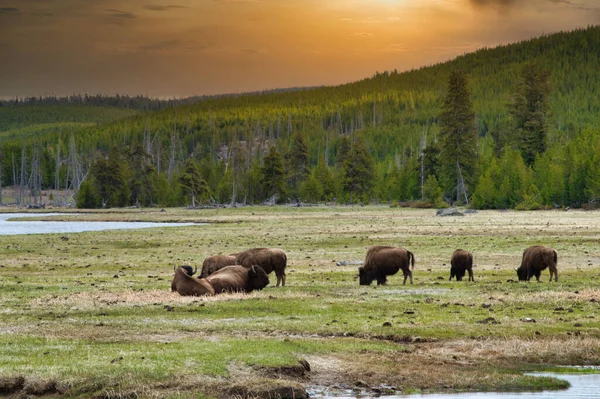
[97,310]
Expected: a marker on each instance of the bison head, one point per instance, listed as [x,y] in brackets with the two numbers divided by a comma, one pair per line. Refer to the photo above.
[522,273]
[257,278]
[189,270]
[365,277]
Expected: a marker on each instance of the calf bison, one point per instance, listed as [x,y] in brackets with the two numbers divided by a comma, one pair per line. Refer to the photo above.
[269,259]
[461,262]
[238,279]
[535,259]
[383,261]
[214,263]
[186,285]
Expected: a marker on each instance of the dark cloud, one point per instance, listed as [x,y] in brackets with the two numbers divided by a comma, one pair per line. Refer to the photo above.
[573,4]
[121,14]
[499,4]
[9,10]
[504,5]
[175,44]
[162,8]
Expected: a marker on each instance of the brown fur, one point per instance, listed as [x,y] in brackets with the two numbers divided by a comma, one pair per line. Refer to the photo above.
[214,263]
[238,279]
[269,259]
[461,262]
[186,285]
[383,261]
[535,259]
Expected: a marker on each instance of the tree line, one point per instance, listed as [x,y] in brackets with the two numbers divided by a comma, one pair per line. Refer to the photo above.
[509,127]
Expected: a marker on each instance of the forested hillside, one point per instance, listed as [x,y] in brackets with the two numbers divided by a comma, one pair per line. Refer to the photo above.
[380,139]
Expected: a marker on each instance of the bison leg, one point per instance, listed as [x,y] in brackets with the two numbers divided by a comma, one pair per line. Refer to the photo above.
[381,280]
[471,278]
[451,275]
[408,274]
[555,271]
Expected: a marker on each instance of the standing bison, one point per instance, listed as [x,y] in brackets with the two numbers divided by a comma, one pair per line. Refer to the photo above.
[269,259]
[383,261]
[214,263]
[535,259]
[185,284]
[238,279]
[461,262]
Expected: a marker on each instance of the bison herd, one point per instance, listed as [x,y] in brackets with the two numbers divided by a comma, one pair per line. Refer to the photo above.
[248,270]
[240,272]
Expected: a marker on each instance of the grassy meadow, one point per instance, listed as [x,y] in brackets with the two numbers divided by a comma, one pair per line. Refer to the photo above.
[91,315]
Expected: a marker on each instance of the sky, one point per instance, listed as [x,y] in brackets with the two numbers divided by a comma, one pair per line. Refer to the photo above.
[181,48]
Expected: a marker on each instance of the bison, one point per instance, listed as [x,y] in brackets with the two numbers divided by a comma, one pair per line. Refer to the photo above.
[535,259]
[269,259]
[461,262]
[217,262]
[186,285]
[383,261]
[238,279]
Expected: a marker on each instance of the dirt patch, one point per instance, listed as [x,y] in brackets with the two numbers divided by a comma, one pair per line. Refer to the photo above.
[31,386]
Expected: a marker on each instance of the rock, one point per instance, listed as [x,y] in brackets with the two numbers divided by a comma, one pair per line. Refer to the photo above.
[489,320]
[11,385]
[280,389]
[449,212]
[528,320]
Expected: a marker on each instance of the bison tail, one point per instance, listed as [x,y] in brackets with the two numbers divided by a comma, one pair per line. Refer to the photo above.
[412,258]
[555,257]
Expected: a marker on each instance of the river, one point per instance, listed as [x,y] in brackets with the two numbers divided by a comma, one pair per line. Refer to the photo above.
[15,227]
[582,386]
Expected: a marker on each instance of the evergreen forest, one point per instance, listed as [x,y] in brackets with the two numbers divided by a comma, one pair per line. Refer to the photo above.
[511,127]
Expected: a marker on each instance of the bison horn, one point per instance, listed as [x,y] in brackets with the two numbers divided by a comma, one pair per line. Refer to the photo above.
[195,270]
[516,269]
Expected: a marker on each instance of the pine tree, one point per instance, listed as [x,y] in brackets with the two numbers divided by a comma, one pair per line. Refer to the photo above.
[359,171]
[458,138]
[297,162]
[272,175]
[530,111]
[108,177]
[343,151]
[192,183]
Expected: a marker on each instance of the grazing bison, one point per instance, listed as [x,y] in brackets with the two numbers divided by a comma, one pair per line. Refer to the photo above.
[214,263]
[383,261]
[186,285]
[461,262]
[238,279]
[269,259]
[535,259]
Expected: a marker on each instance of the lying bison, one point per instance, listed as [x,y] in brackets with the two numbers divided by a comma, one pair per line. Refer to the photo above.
[383,261]
[214,263]
[535,259]
[461,262]
[238,279]
[269,259]
[185,284]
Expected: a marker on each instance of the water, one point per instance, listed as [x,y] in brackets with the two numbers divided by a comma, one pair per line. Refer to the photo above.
[50,227]
[582,386]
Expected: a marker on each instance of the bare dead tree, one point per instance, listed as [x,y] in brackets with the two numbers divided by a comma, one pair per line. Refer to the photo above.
[14,173]
[460,185]
[0,174]
[423,146]
[22,178]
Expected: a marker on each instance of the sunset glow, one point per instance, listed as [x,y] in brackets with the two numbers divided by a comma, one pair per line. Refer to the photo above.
[165,49]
